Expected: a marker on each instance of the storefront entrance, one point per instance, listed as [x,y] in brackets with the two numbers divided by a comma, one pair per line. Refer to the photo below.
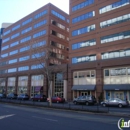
[84,93]
[119,95]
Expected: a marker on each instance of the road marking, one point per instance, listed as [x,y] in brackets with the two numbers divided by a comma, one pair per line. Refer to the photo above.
[45,118]
[5,116]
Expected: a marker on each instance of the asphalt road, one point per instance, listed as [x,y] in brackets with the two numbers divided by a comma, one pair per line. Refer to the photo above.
[124,110]
[28,118]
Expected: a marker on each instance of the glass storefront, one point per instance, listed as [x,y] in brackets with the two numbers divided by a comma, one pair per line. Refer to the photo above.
[58,85]
[2,85]
[11,87]
[22,84]
[37,84]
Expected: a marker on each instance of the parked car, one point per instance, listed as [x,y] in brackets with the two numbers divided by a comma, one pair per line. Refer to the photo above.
[23,97]
[39,98]
[56,99]
[12,96]
[2,95]
[85,100]
[115,102]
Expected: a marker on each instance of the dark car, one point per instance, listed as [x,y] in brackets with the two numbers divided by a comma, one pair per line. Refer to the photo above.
[85,100]
[2,95]
[23,97]
[12,96]
[40,98]
[115,102]
[57,99]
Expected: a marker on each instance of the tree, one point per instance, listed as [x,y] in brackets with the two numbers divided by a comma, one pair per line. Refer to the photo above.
[45,57]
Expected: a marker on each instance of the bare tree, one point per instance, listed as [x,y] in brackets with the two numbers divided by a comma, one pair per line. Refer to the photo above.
[45,56]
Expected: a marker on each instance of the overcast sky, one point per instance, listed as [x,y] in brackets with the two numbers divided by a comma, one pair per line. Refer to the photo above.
[13,10]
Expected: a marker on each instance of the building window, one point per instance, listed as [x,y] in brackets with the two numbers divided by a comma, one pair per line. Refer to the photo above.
[25,39]
[83,59]
[5,40]
[7,32]
[12,70]
[16,27]
[83,17]
[40,14]
[82,44]
[116,54]
[24,58]
[114,21]
[13,52]
[84,30]
[12,61]
[82,5]
[41,33]
[57,34]
[58,24]
[23,68]
[5,47]
[27,21]
[41,43]
[58,15]
[4,55]
[3,71]
[106,72]
[38,55]
[24,49]
[128,71]
[115,5]
[40,23]
[26,30]
[115,37]
[37,66]
[15,35]
[14,43]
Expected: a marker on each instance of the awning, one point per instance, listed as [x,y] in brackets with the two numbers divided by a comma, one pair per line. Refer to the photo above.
[83,87]
[116,87]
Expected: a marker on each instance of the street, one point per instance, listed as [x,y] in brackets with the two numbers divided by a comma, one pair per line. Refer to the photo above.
[28,118]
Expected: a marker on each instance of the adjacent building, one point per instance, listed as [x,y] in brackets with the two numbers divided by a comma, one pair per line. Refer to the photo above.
[24,46]
[99,48]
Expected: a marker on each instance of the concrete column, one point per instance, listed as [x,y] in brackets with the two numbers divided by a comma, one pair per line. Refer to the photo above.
[16,85]
[65,89]
[29,85]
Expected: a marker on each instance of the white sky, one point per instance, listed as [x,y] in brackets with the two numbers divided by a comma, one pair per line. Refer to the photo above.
[13,10]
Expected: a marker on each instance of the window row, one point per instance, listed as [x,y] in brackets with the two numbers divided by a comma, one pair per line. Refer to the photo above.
[40,24]
[84,30]
[114,21]
[57,45]
[82,5]
[117,72]
[12,61]
[25,39]
[37,66]
[7,32]
[38,55]
[40,14]
[5,47]
[115,37]
[116,54]
[91,42]
[84,74]
[39,34]
[24,48]
[16,27]
[58,15]
[26,30]
[5,40]
[24,58]
[57,34]
[58,24]
[83,17]
[113,6]
[15,35]
[41,43]
[14,44]
[83,59]
[27,21]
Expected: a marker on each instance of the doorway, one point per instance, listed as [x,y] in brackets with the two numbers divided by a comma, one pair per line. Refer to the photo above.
[84,93]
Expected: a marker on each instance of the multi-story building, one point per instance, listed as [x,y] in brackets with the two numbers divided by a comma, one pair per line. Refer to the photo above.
[99,48]
[24,45]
